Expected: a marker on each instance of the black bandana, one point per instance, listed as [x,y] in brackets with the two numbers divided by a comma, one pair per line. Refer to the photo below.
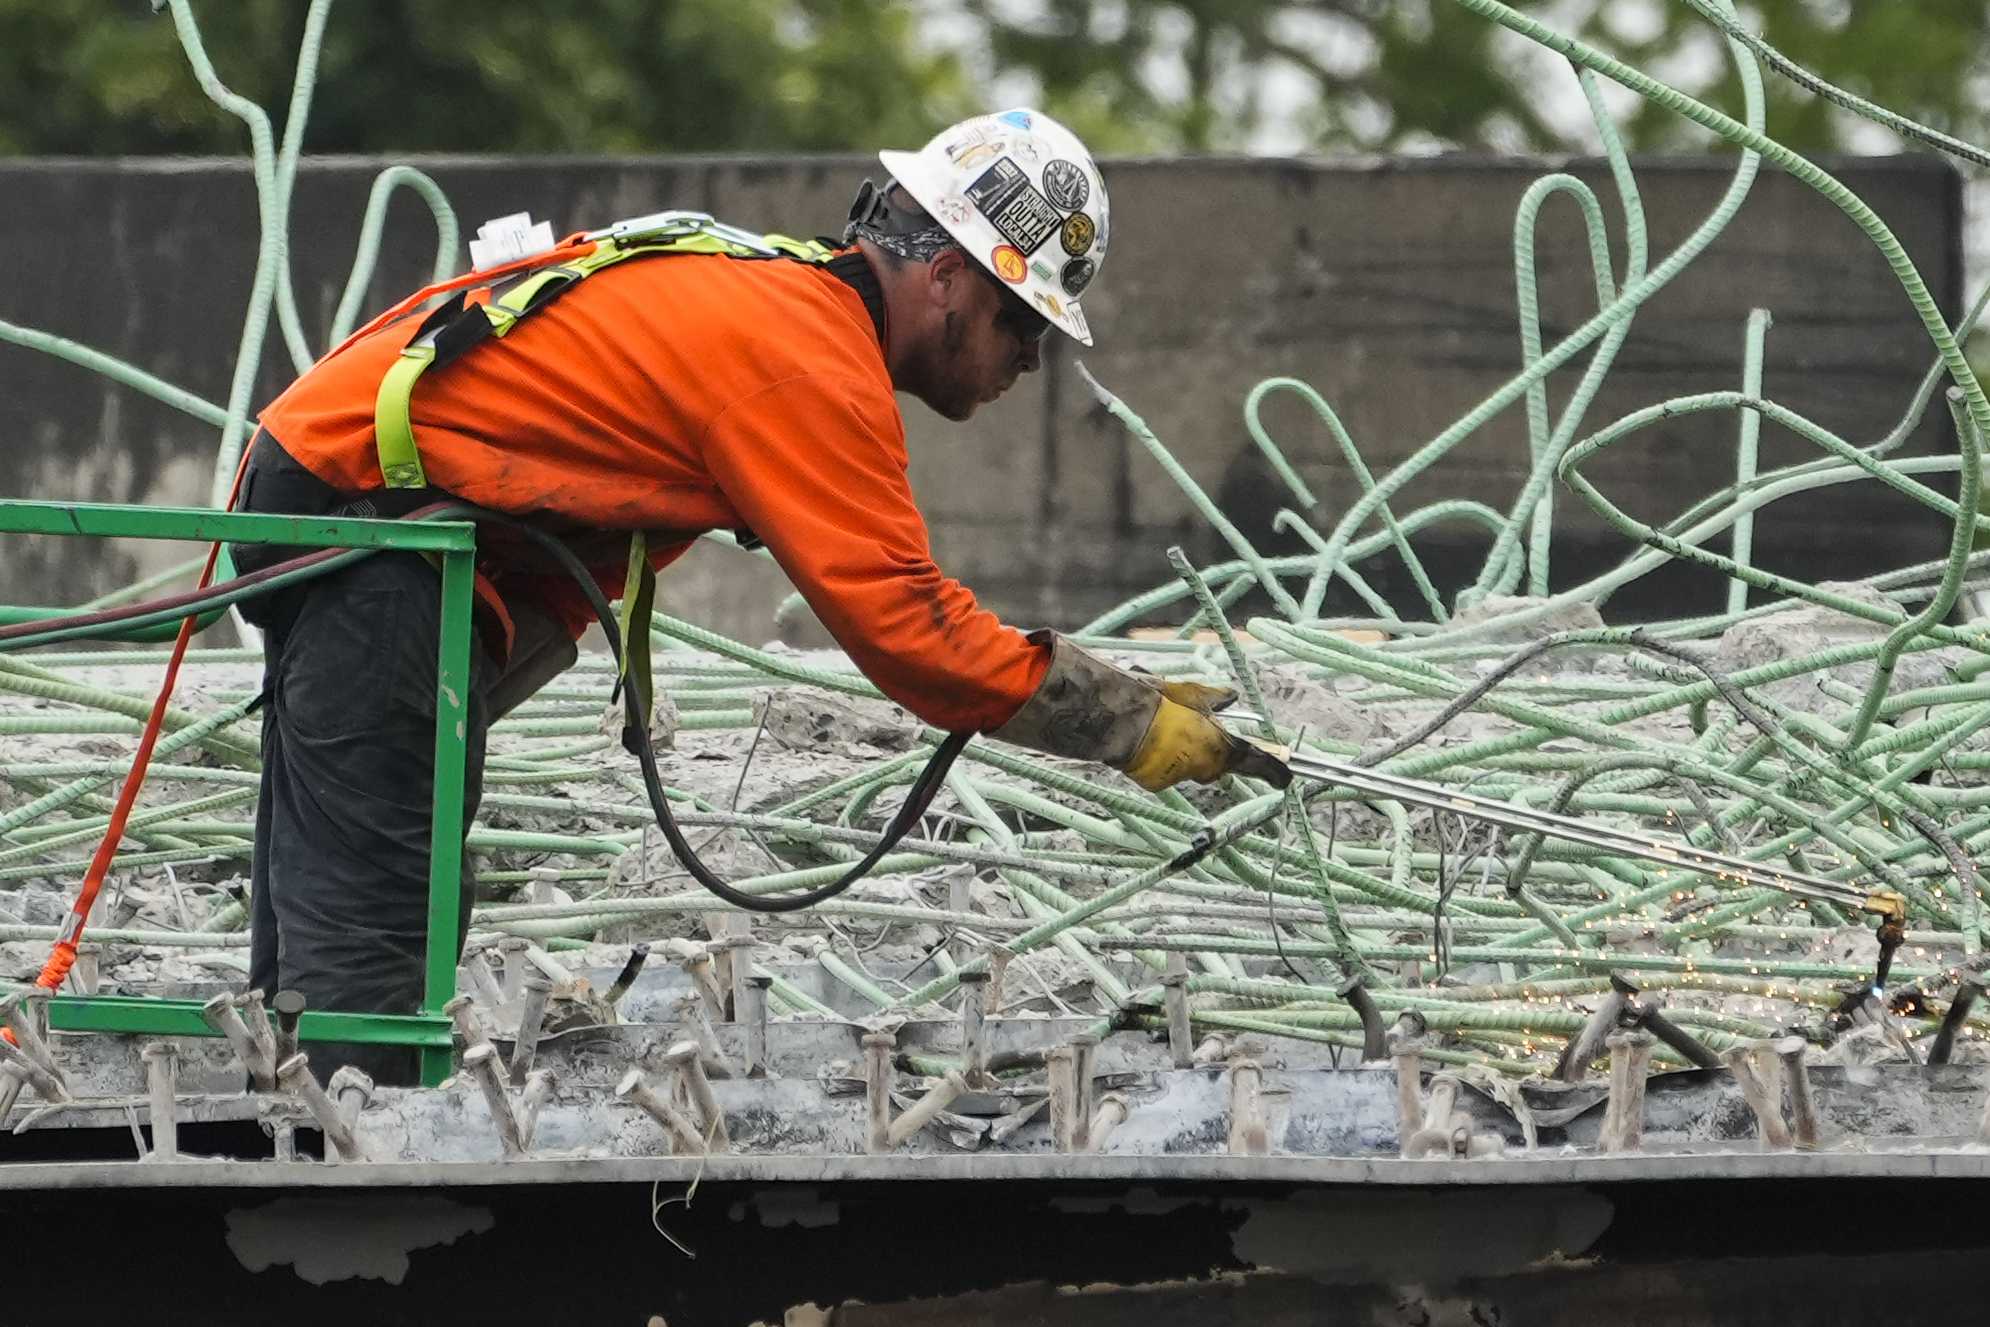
[921,246]
[872,217]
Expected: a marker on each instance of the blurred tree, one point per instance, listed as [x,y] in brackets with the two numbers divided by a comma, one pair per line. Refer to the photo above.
[108,76]
[1195,74]
[1376,75]
[1929,61]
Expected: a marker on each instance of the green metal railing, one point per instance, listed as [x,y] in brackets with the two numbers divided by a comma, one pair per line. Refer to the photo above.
[453,543]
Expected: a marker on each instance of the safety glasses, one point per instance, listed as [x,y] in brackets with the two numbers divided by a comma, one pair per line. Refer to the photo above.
[1015,316]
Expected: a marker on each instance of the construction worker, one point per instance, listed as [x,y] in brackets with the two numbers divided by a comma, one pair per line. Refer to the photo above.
[701,386]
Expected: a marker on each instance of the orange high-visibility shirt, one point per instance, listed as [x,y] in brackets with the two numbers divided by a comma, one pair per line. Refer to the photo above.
[685,393]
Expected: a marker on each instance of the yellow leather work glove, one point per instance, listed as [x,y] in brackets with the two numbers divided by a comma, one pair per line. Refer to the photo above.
[1158,732]
[1197,695]
[1183,742]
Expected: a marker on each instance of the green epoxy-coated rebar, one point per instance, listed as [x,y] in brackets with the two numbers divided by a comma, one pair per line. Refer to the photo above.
[1876,773]
[1626,302]
[368,254]
[1502,568]
[1747,450]
[269,254]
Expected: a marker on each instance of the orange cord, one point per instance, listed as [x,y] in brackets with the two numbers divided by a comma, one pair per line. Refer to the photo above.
[574,246]
[63,955]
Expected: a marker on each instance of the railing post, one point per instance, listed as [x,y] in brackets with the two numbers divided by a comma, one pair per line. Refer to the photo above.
[445,853]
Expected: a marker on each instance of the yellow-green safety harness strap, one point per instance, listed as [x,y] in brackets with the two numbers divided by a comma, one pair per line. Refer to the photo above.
[393,430]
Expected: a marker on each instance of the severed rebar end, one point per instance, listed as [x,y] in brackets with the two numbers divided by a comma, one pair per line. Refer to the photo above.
[350,1080]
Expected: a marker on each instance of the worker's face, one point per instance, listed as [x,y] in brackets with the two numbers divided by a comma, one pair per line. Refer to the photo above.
[985,337]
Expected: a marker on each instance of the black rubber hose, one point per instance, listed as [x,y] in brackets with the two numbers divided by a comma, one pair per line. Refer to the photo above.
[636,738]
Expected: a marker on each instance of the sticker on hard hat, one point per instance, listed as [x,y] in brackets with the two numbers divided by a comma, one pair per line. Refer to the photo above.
[1077,234]
[975,153]
[1009,264]
[1050,303]
[1043,270]
[1028,219]
[1020,214]
[1078,275]
[997,185]
[1020,119]
[1066,184]
[972,134]
[952,209]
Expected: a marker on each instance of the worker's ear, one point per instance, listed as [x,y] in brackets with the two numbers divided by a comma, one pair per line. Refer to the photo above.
[947,277]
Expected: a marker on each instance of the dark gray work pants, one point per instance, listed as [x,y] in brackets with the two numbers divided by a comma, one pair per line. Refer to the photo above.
[340,881]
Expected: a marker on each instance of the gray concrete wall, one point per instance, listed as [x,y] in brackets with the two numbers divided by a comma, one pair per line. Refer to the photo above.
[1387,284]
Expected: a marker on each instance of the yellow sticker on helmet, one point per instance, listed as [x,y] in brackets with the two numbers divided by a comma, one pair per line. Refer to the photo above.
[1009,263]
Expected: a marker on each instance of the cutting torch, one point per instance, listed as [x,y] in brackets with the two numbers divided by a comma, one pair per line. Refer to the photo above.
[1610,839]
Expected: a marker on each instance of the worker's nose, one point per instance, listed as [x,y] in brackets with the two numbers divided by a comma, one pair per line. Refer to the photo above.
[1030,357]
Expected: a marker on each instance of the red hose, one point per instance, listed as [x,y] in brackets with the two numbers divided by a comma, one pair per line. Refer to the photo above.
[187,599]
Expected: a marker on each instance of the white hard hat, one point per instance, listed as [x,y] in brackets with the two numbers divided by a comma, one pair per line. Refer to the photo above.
[1023,197]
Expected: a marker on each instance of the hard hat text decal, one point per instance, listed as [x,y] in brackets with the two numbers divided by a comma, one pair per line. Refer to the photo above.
[1021,215]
